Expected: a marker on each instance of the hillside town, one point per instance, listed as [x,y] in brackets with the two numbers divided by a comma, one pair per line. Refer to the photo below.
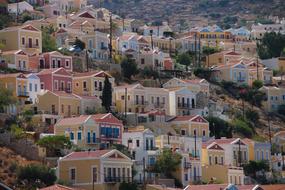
[93,100]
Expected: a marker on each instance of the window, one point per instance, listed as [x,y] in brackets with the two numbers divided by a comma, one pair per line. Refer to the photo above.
[95,84]
[71,136]
[183,132]
[77,84]
[37,42]
[79,136]
[84,84]
[204,133]
[62,108]
[138,143]
[100,86]
[222,160]
[210,160]
[216,160]
[186,177]
[94,174]
[78,109]
[194,132]
[122,97]
[72,174]
[53,109]
[58,63]
[56,85]
[142,61]
[53,63]
[23,41]
[36,87]
[31,86]
[67,63]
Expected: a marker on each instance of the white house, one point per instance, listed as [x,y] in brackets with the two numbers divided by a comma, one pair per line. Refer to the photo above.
[34,85]
[19,8]
[181,101]
[141,143]
[156,30]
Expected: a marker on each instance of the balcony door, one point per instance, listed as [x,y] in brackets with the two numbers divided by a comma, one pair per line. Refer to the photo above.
[30,43]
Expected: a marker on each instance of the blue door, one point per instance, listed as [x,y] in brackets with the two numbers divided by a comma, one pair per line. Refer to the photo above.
[94,137]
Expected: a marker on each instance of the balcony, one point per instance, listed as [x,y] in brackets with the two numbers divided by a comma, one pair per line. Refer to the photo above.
[141,103]
[117,179]
[90,141]
[104,48]
[184,106]
[23,94]
[187,165]
[67,90]
[159,105]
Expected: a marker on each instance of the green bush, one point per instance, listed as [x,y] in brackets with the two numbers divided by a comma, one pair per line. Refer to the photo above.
[243,128]
[35,174]
[219,128]
[252,115]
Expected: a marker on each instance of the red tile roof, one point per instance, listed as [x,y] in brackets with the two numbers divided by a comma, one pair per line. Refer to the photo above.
[106,118]
[207,187]
[183,118]
[91,73]
[273,187]
[64,94]
[72,120]
[86,154]
[58,187]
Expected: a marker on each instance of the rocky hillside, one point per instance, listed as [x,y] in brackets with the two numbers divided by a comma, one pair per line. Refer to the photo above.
[9,161]
[183,14]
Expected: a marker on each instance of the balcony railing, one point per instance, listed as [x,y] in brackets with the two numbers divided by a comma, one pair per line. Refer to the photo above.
[117,179]
[97,141]
[23,94]
[141,103]
[184,106]
[187,165]
[159,105]
[67,90]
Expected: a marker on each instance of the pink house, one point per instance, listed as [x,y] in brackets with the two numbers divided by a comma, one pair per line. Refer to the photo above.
[56,80]
[55,59]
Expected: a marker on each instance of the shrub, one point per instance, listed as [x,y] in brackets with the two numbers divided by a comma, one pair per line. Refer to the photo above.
[281,109]
[243,128]
[219,127]
[252,115]
[34,173]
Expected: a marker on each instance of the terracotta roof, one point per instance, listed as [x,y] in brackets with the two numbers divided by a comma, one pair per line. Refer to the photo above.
[106,118]
[87,97]
[207,187]
[232,53]
[72,120]
[86,154]
[183,118]
[10,75]
[64,94]
[273,187]
[90,73]
[58,187]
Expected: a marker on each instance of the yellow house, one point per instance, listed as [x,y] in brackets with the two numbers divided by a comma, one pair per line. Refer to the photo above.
[242,72]
[58,103]
[213,160]
[26,38]
[100,169]
[16,59]
[275,96]
[17,83]
[191,126]
[222,58]
[91,131]
[90,83]
[212,154]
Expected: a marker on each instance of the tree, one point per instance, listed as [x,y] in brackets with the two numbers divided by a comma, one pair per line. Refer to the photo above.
[48,41]
[257,84]
[129,67]
[219,128]
[252,116]
[107,94]
[6,98]
[209,50]
[26,17]
[167,162]
[36,175]
[184,59]
[253,167]
[128,186]
[55,143]
[271,45]
[78,43]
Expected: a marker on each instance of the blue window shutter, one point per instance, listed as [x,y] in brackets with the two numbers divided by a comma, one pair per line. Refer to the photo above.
[71,136]
[88,137]
[94,137]
[79,135]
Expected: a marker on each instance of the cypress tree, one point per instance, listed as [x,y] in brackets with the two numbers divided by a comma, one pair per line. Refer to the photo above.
[107,94]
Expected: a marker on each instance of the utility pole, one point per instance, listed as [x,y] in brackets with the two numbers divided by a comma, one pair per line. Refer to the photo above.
[199,52]
[111,36]
[17,17]
[126,93]
[151,40]
[195,145]
[87,60]
[239,154]
[170,46]
[195,49]
[257,74]
[144,181]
